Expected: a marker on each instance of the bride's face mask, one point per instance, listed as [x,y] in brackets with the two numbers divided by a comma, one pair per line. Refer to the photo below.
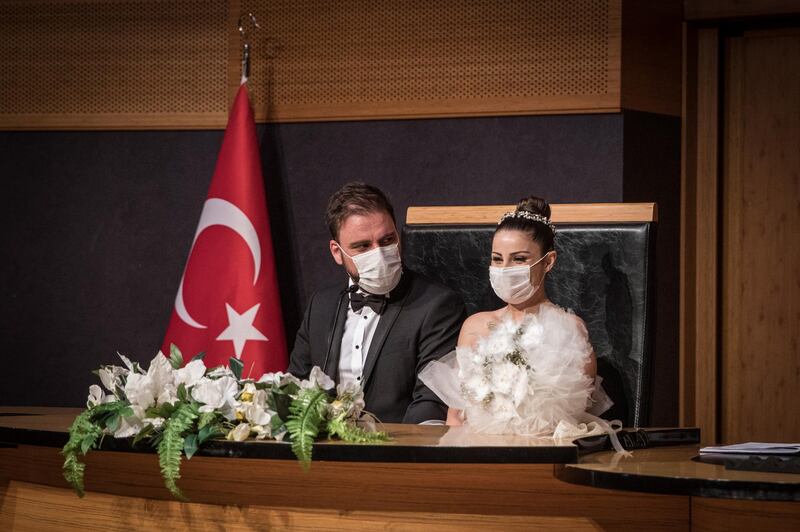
[514,284]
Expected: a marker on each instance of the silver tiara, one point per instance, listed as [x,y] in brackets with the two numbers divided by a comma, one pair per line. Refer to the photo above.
[529,216]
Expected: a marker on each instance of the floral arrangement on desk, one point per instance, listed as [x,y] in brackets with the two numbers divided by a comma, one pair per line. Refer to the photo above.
[176,409]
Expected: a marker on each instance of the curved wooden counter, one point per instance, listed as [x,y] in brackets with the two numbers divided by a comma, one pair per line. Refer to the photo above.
[721,498]
[125,489]
[677,471]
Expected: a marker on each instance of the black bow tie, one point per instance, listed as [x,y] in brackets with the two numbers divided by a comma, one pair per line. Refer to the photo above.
[375,302]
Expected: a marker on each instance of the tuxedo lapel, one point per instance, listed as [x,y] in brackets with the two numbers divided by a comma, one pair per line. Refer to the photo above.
[388,318]
[334,337]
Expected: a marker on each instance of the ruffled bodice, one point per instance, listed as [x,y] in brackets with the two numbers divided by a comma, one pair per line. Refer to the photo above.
[524,377]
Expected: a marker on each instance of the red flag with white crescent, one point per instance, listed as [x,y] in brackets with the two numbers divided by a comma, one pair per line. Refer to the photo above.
[228,304]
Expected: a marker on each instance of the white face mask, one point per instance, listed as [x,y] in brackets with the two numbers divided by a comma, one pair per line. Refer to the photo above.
[514,285]
[379,269]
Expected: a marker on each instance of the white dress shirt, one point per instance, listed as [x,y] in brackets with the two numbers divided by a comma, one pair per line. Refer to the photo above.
[358,332]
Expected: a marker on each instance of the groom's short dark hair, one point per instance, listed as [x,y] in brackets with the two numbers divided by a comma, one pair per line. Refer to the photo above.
[355,198]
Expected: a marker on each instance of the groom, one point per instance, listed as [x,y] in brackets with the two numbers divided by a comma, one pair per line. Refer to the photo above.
[383,324]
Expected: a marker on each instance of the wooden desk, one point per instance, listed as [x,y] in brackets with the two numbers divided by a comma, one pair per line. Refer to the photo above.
[721,499]
[491,483]
[426,477]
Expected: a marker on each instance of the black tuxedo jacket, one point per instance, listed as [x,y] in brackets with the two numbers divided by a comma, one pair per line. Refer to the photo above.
[420,323]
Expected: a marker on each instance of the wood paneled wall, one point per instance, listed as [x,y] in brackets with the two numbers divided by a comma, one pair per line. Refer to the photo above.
[760,258]
[114,64]
[740,270]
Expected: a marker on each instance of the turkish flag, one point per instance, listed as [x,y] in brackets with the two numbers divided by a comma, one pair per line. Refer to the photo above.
[228,304]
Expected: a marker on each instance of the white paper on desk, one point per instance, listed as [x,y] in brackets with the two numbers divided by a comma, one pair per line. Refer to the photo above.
[754,448]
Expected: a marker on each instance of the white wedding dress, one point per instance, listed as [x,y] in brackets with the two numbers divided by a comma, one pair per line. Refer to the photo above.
[526,378]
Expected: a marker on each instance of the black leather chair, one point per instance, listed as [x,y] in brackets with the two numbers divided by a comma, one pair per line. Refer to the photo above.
[603,273]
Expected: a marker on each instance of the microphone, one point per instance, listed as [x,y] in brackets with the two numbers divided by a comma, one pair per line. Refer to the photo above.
[347,291]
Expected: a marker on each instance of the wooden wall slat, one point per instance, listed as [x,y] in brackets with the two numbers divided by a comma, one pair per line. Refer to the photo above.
[699,254]
[560,213]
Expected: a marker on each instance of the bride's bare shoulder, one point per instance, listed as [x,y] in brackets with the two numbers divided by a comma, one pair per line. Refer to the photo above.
[476,326]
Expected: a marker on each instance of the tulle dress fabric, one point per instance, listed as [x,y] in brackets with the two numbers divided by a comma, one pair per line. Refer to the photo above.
[525,378]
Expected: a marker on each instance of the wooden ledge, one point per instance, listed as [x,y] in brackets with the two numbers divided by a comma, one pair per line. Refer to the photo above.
[563,213]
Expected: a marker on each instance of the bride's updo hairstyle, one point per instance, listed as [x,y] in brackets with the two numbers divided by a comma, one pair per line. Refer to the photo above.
[532,216]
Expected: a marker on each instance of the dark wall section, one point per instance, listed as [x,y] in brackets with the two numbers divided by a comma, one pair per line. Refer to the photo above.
[651,163]
[426,162]
[96,225]
[95,231]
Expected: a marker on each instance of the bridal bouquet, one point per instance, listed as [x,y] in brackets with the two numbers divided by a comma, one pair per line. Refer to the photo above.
[176,408]
[527,377]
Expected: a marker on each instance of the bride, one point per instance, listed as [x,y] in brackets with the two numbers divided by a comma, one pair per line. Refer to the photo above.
[527,368]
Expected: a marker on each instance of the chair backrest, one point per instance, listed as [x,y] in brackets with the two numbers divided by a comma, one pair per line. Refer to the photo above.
[603,273]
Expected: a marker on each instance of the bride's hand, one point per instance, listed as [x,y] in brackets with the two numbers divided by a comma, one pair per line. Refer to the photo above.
[454,417]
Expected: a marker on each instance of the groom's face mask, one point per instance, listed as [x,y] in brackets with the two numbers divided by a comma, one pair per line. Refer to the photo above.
[379,269]
[370,243]
[514,285]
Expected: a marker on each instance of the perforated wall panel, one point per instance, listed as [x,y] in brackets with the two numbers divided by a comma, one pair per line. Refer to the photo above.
[149,63]
[317,59]
[134,63]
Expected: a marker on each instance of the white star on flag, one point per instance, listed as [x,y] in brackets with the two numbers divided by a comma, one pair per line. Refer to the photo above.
[240,328]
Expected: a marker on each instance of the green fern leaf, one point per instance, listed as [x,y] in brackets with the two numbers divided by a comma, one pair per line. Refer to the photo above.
[171,446]
[205,419]
[73,468]
[350,432]
[306,415]
[85,431]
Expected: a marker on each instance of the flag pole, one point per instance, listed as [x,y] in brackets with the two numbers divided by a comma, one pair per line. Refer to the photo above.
[246,45]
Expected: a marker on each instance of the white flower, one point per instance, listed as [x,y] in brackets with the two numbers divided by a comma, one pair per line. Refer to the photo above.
[217,394]
[96,395]
[220,371]
[532,337]
[287,378]
[476,386]
[272,378]
[519,390]
[349,400]
[190,374]
[496,345]
[248,392]
[156,387]
[139,390]
[127,362]
[318,378]
[161,372]
[504,374]
[168,394]
[155,421]
[239,433]
[261,431]
[129,426]
[257,414]
[111,377]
